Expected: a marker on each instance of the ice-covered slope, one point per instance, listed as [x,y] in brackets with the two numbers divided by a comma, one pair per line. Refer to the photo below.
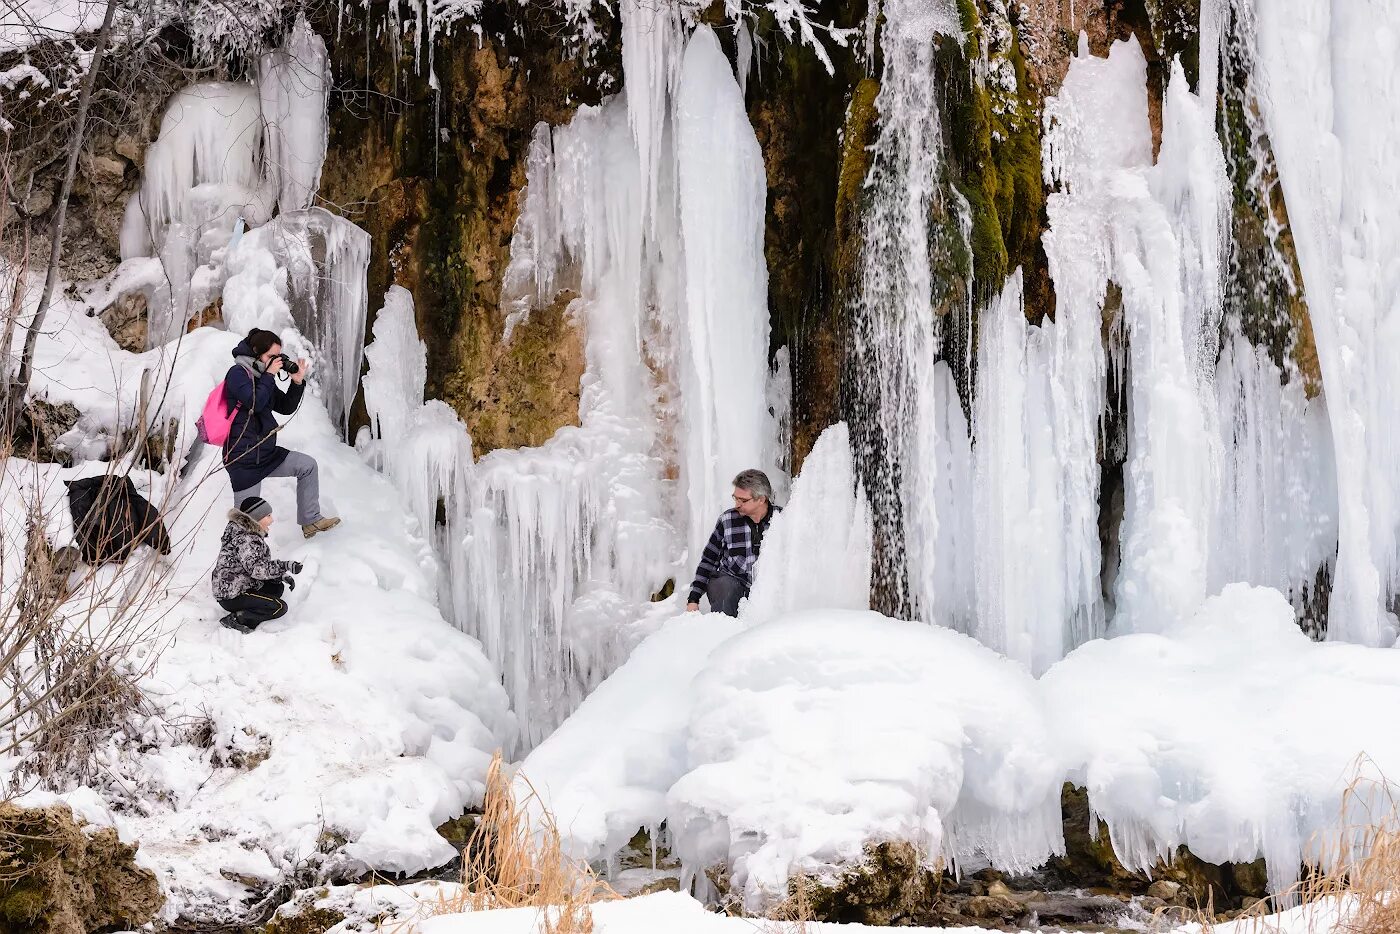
[353,726]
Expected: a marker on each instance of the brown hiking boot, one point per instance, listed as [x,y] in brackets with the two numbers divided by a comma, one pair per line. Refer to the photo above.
[324,524]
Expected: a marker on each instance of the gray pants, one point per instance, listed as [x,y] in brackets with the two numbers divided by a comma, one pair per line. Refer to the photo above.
[725,592]
[303,467]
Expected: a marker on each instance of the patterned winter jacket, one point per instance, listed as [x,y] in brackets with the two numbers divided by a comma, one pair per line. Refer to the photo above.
[732,549]
[244,558]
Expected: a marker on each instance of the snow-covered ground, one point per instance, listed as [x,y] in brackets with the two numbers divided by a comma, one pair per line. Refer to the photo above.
[425,908]
[344,732]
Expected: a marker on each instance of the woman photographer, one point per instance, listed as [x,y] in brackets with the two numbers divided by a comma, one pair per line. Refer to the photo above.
[251,453]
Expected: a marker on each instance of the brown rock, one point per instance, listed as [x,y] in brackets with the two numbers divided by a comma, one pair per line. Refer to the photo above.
[1164,889]
[125,319]
[56,878]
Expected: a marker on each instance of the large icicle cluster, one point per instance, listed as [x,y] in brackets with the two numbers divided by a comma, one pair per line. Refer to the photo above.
[231,155]
[1324,78]
[650,209]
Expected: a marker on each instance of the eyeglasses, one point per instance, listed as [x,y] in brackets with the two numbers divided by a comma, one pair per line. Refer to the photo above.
[741,500]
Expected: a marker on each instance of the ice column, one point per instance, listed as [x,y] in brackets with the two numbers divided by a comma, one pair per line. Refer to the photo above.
[326,259]
[294,85]
[817,553]
[1020,545]
[1276,517]
[203,170]
[1156,231]
[1327,85]
[722,201]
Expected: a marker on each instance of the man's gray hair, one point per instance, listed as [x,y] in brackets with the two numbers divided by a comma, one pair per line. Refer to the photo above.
[756,482]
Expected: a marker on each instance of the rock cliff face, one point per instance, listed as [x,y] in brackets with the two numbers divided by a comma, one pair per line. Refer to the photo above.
[427,152]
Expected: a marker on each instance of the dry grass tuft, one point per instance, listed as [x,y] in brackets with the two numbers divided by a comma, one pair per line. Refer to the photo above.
[515,860]
[795,913]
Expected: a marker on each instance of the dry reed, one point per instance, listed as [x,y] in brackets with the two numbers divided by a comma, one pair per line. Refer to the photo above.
[515,859]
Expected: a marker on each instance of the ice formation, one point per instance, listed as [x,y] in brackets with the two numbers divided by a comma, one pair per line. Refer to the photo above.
[1018,539]
[555,552]
[1155,232]
[1324,77]
[726,282]
[294,85]
[817,552]
[895,338]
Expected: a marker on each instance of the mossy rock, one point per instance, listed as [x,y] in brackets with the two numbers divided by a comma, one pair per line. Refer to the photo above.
[311,920]
[57,878]
[892,886]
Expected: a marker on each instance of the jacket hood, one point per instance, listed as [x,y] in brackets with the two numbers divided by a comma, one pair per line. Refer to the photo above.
[244,355]
[242,519]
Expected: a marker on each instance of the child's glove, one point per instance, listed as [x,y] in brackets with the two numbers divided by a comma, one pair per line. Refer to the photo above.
[294,567]
[290,581]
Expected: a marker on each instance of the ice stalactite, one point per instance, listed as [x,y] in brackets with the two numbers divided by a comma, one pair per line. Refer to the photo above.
[895,336]
[817,553]
[203,170]
[1325,81]
[326,259]
[722,197]
[421,446]
[652,44]
[1157,232]
[1276,519]
[294,85]
[650,209]
[1018,537]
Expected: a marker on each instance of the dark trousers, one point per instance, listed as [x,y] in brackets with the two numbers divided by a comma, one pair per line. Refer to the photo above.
[725,592]
[258,605]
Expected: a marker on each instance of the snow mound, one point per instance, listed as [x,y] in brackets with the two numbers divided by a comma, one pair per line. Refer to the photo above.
[1232,732]
[820,732]
[605,771]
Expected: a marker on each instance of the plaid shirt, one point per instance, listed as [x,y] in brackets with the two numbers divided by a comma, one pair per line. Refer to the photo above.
[732,549]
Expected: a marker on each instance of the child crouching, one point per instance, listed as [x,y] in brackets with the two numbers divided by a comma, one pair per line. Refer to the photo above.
[247,580]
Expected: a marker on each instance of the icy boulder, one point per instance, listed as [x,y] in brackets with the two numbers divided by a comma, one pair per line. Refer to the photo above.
[824,731]
[1231,732]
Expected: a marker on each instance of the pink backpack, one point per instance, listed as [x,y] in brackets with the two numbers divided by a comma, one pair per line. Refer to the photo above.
[217,420]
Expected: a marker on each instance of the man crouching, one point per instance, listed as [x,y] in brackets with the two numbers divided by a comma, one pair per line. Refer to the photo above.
[247,580]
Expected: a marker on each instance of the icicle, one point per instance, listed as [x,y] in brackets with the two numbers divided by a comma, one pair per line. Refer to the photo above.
[326,259]
[1156,232]
[294,86]
[896,338]
[743,54]
[1020,545]
[722,203]
[203,170]
[1326,84]
[817,553]
[651,47]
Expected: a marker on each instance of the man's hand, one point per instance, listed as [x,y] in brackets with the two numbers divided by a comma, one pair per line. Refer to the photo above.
[274,366]
[300,374]
[692,608]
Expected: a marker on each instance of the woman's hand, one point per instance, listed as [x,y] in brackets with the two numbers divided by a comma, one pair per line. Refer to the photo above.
[274,366]
[300,374]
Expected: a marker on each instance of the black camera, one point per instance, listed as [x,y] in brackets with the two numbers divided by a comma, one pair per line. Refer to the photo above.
[289,366]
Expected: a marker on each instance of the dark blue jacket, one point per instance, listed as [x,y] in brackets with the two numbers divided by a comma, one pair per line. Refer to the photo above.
[251,451]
